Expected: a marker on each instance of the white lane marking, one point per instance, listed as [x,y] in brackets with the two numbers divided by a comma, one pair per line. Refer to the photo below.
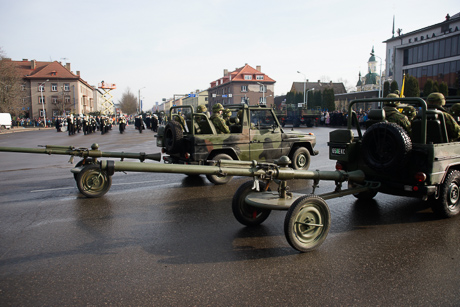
[124,183]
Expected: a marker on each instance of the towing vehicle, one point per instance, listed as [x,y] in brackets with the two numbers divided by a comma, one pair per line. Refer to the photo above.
[255,134]
[382,159]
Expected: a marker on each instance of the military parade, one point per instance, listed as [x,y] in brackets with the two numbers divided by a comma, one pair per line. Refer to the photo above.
[197,179]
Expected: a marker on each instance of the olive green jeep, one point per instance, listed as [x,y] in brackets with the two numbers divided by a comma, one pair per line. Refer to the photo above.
[190,137]
[423,164]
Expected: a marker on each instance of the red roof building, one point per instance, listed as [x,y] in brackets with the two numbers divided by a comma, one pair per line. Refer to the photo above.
[243,85]
[54,89]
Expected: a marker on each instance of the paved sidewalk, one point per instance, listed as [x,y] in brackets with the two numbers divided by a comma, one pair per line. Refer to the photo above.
[22,129]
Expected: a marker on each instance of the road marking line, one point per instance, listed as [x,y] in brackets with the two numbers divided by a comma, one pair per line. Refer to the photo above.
[124,183]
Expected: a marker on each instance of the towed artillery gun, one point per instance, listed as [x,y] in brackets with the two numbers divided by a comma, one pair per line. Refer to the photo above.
[384,159]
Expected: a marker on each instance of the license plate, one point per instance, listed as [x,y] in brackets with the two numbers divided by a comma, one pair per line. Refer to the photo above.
[338,151]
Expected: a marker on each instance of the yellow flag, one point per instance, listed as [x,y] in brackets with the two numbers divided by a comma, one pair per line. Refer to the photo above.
[402,88]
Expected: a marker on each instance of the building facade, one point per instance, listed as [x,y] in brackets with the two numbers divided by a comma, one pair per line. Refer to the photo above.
[53,90]
[197,98]
[432,53]
[243,85]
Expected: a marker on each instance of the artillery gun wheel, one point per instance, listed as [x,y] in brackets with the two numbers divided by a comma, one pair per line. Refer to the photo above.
[448,203]
[93,182]
[220,179]
[244,213]
[83,162]
[386,146]
[172,136]
[307,223]
[301,159]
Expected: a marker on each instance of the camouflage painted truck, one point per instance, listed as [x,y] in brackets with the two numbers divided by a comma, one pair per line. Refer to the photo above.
[424,165]
[255,134]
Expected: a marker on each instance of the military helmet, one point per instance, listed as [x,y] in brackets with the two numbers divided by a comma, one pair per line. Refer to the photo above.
[410,112]
[436,99]
[227,113]
[202,108]
[455,110]
[217,107]
[392,103]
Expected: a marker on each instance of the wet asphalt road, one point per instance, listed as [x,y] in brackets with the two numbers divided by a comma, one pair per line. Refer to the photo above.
[170,240]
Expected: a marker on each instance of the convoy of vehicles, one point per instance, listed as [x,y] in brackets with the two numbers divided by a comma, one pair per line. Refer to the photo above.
[383,159]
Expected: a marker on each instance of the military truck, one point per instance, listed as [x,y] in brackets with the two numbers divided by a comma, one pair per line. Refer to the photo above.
[424,164]
[292,115]
[255,134]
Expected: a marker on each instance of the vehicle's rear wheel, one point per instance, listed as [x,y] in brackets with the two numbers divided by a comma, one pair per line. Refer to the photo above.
[367,195]
[448,203]
[244,213]
[220,179]
[301,159]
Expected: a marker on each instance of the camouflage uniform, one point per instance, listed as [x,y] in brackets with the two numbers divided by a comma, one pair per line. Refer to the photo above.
[436,101]
[217,120]
[393,116]
[226,114]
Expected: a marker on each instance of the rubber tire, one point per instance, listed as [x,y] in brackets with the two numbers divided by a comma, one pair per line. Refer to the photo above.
[217,179]
[301,159]
[367,195]
[93,182]
[448,203]
[306,238]
[172,136]
[244,213]
[385,147]
[82,162]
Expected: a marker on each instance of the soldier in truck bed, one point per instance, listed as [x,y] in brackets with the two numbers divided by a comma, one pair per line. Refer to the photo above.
[394,116]
[217,120]
[437,101]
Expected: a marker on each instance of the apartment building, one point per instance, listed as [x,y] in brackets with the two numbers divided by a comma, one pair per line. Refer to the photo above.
[243,85]
[54,89]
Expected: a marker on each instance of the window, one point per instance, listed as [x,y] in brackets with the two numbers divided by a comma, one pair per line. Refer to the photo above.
[243,99]
[247,77]
[41,87]
[244,88]
[262,89]
[54,87]
[262,100]
[67,99]
[54,99]
[23,87]
[66,87]
[259,77]
[41,100]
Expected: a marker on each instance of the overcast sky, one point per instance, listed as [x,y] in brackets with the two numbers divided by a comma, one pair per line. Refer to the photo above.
[175,47]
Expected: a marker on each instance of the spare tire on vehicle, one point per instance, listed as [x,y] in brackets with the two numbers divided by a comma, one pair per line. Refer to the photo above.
[386,147]
[172,137]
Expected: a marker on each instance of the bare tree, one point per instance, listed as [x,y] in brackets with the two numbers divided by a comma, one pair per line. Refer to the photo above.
[62,102]
[128,102]
[11,91]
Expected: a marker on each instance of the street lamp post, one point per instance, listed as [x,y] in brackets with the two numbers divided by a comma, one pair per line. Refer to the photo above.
[43,102]
[140,107]
[306,93]
[380,79]
[304,87]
